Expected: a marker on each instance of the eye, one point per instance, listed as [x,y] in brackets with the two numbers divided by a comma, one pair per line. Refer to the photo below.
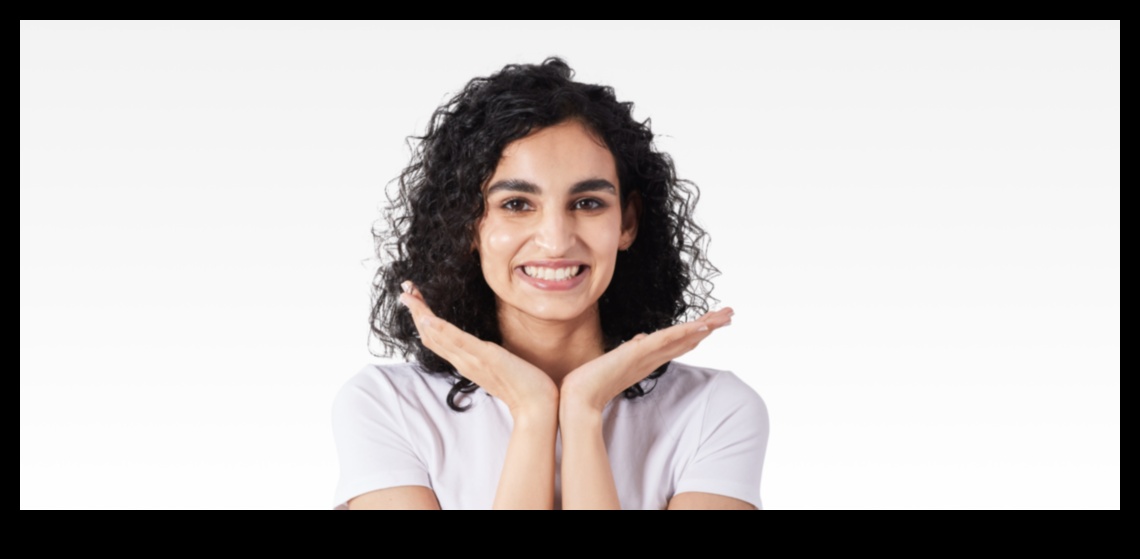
[591,204]
[514,205]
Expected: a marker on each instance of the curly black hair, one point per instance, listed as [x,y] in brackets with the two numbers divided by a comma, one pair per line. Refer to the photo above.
[663,278]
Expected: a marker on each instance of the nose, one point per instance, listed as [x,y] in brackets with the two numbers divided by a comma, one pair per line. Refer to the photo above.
[555,234]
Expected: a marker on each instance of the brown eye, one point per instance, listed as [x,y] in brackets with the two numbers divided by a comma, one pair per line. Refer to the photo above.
[514,205]
[591,204]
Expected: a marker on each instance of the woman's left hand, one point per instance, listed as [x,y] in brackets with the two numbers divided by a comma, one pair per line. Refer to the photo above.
[591,386]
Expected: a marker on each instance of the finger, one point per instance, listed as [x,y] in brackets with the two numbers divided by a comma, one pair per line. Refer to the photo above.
[682,338]
[411,289]
[665,340]
[702,326]
[722,318]
[444,338]
[715,319]
[639,337]
[424,321]
[451,332]
[672,342]
[416,306]
[430,327]
[446,331]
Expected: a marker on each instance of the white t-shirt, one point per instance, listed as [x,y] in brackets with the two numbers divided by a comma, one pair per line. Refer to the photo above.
[698,429]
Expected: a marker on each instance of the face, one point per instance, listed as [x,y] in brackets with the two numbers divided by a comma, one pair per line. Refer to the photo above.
[553,225]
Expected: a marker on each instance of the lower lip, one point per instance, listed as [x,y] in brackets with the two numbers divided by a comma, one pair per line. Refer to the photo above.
[552,285]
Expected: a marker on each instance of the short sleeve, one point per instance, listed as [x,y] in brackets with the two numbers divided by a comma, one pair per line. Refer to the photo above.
[372,440]
[733,438]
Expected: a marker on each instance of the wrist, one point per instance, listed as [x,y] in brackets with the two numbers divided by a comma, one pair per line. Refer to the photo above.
[536,414]
[579,397]
[575,410]
[532,401]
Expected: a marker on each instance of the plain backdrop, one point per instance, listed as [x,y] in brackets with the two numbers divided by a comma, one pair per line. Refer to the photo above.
[917,224]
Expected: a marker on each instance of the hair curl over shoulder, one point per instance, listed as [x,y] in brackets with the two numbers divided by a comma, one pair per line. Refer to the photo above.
[662,278]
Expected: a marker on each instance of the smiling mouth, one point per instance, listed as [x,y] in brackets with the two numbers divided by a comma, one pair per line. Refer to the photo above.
[546,274]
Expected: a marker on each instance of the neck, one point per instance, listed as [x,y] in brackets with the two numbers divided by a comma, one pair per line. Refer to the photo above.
[555,346]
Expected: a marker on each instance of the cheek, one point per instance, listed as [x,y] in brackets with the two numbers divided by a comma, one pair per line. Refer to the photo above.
[606,239]
[499,242]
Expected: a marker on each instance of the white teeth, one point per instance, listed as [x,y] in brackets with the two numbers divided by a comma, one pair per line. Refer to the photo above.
[553,274]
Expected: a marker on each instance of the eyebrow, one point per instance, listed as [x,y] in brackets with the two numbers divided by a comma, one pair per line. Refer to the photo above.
[519,185]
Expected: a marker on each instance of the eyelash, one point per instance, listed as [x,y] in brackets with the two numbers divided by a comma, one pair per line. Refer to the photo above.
[598,204]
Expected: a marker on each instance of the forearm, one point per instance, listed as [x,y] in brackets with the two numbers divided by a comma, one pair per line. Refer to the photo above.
[587,478]
[527,479]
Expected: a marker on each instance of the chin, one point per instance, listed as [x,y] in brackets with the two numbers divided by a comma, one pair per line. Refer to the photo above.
[557,313]
[553,310]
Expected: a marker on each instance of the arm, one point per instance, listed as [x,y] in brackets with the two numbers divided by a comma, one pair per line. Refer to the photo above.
[527,478]
[731,443]
[587,478]
[588,481]
[374,448]
[694,500]
[526,482]
[406,497]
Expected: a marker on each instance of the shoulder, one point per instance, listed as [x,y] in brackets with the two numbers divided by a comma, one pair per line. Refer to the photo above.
[370,420]
[387,385]
[725,455]
[716,402]
[718,392]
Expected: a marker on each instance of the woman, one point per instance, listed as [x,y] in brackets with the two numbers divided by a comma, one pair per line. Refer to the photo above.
[539,258]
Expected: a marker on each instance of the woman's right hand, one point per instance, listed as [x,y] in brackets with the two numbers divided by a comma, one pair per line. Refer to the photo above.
[524,388]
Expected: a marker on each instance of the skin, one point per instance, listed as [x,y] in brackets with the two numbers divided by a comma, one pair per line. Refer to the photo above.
[552,370]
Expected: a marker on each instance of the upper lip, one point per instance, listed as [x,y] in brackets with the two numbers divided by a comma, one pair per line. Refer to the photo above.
[553,263]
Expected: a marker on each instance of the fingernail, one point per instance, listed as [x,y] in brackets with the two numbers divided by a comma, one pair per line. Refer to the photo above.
[401,299]
[703,328]
[426,322]
[406,286]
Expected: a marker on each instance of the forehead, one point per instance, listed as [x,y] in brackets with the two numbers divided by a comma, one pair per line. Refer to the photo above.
[556,157]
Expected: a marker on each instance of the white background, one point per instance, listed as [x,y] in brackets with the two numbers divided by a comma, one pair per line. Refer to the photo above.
[918,226]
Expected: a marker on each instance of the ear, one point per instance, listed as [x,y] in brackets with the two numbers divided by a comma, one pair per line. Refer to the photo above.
[630,219]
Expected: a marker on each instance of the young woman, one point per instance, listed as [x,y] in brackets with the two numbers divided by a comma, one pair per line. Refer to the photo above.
[539,261]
